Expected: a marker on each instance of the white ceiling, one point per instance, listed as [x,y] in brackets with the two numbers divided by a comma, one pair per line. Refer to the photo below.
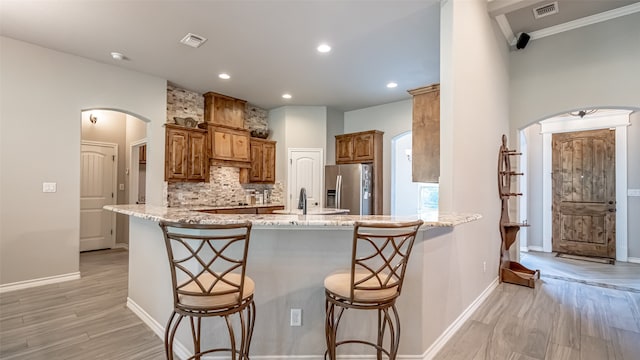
[268,47]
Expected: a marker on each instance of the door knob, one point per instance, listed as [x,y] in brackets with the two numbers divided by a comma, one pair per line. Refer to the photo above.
[612,210]
[610,202]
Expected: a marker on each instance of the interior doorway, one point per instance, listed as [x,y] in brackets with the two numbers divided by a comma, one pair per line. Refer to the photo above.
[126,131]
[138,172]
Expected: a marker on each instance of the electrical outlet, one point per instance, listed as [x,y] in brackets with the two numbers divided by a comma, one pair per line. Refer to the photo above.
[121,187]
[484,266]
[296,317]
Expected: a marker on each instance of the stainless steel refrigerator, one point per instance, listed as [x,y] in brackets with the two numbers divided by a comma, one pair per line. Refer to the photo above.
[349,187]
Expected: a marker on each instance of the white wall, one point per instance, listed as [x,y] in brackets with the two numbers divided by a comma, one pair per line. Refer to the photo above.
[474,114]
[42,95]
[593,66]
[535,176]
[406,193]
[393,119]
[335,126]
[633,182]
[296,127]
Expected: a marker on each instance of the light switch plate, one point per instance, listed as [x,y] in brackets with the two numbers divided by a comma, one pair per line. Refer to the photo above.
[48,187]
[633,192]
[121,187]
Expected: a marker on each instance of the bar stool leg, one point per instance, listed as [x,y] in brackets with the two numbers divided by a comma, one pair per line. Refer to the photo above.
[330,330]
[168,351]
[232,337]
[382,322]
[171,336]
[195,335]
[251,317]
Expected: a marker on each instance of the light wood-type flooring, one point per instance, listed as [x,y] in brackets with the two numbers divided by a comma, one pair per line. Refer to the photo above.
[80,319]
[88,319]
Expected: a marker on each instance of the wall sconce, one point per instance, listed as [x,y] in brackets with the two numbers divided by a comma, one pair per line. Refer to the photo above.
[408,153]
[93,118]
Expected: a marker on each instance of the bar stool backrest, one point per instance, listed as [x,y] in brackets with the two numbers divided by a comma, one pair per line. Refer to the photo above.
[206,260]
[380,254]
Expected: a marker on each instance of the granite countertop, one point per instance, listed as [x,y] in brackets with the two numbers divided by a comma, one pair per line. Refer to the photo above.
[189,215]
[313,211]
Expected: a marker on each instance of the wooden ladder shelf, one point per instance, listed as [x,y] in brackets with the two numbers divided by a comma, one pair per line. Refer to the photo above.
[510,271]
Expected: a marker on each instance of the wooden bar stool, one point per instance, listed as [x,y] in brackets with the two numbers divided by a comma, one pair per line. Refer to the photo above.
[208,265]
[378,263]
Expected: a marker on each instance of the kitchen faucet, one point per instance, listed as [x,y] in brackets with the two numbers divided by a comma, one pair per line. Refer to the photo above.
[302,201]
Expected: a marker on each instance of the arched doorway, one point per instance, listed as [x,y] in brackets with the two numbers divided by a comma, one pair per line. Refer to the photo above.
[108,174]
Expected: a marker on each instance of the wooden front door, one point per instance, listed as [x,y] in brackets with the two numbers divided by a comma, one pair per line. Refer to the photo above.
[584,217]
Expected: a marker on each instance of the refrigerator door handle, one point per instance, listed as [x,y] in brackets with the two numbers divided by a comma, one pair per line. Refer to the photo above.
[338,191]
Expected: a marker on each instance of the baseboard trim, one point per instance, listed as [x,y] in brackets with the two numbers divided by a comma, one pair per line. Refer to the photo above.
[535,248]
[39,282]
[178,348]
[634,260]
[121,246]
[442,340]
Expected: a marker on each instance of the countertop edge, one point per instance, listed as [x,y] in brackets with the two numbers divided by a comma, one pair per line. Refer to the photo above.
[189,216]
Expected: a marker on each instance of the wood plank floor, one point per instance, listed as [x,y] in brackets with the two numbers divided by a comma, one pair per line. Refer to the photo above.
[87,319]
[80,319]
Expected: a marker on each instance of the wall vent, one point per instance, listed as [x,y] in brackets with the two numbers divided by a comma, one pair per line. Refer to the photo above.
[193,40]
[545,10]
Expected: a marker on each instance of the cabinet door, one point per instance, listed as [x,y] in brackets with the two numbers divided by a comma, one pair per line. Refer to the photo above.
[363,147]
[426,136]
[269,162]
[176,165]
[240,147]
[197,159]
[256,162]
[221,145]
[344,148]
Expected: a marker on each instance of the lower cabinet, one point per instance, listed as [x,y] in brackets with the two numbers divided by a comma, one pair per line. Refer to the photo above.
[185,154]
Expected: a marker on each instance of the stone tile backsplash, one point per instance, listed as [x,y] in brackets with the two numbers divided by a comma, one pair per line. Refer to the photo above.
[223,189]
[224,186]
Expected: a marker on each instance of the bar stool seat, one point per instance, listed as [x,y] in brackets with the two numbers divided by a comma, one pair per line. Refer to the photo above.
[219,301]
[380,253]
[208,264]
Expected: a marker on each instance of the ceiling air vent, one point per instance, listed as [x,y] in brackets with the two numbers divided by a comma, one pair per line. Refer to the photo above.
[545,10]
[193,40]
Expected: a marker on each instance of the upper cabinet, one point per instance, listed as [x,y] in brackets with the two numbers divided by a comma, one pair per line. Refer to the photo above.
[229,146]
[426,134]
[364,147]
[360,147]
[185,154]
[228,139]
[263,163]
[224,110]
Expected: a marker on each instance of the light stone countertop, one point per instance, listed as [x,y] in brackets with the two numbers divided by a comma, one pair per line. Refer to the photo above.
[188,215]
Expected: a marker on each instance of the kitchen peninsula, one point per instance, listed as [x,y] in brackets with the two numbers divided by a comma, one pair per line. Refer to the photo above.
[289,257]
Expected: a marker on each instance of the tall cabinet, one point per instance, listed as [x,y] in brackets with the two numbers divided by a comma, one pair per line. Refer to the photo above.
[510,271]
[425,128]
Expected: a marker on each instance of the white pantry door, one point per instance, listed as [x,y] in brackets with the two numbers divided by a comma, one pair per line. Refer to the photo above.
[97,180]
[306,169]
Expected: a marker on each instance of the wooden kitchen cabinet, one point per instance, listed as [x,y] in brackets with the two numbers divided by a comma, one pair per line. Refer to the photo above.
[224,110]
[360,147]
[425,153]
[229,147]
[185,154]
[263,163]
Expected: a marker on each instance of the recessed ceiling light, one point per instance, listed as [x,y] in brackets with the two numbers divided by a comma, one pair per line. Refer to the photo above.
[117,56]
[193,40]
[324,48]
[391,85]
[224,76]
[286,96]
